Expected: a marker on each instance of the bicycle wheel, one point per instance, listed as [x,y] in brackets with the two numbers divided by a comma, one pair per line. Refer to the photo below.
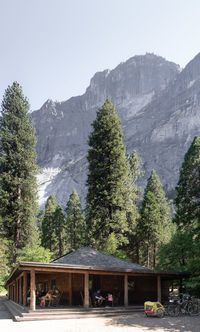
[160,313]
[173,310]
[193,309]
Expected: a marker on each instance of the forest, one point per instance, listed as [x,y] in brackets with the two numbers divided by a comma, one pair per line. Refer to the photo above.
[119,218]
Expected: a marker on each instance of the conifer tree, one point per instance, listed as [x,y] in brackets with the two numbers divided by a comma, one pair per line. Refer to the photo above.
[75,222]
[18,189]
[188,188]
[155,218]
[149,226]
[183,250]
[109,200]
[59,226]
[48,223]
[136,171]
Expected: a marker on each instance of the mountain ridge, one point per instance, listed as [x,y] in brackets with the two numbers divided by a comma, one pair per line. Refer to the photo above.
[147,92]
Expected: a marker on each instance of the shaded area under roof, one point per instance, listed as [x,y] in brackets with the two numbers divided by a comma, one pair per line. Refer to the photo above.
[90,257]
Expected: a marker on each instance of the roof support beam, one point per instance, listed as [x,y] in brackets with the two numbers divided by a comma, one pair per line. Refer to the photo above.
[32,284]
[86,290]
[25,289]
[126,290]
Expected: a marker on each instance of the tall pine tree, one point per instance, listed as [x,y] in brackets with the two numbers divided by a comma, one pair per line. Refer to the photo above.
[188,189]
[109,200]
[18,189]
[59,233]
[48,223]
[155,218]
[75,222]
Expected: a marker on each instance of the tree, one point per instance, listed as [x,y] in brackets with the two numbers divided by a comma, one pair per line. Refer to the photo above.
[149,226]
[39,222]
[183,250]
[75,221]
[136,172]
[59,227]
[188,189]
[155,217]
[18,189]
[48,223]
[110,197]
[34,253]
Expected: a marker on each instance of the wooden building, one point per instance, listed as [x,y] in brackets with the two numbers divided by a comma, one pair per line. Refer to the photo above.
[78,274]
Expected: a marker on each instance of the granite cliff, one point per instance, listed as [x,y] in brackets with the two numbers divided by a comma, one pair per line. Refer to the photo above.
[158,104]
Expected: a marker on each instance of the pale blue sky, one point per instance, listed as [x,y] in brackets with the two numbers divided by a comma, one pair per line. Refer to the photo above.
[53,47]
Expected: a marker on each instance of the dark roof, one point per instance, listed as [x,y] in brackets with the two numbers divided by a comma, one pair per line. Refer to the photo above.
[89,257]
[91,260]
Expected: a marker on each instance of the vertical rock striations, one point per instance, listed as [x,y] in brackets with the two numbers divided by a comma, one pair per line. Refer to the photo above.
[160,112]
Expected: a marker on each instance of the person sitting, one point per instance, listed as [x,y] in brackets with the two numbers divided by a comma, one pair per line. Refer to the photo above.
[55,297]
[109,302]
[46,299]
[99,299]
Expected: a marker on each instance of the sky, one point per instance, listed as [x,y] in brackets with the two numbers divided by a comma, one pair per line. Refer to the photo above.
[54,47]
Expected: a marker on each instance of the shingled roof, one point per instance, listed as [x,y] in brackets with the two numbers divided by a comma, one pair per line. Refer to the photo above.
[90,257]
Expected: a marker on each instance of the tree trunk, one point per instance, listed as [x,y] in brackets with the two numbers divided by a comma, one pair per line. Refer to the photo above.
[17,234]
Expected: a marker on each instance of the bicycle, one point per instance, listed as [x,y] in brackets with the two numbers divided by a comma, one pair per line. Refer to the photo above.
[184,306]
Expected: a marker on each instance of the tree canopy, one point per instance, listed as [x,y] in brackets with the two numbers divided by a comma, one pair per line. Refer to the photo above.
[110,197]
[18,189]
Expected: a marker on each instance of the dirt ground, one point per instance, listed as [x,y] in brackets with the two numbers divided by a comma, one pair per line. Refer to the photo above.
[136,322]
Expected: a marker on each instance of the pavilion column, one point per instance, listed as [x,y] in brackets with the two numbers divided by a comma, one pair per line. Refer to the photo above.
[70,288]
[86,290]
[32,288]
[25,289]
[158,289]
[17,291]
[20,290]
[126,290]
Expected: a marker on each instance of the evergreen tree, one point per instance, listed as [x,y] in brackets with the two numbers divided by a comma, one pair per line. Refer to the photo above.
[59,225]
[149,227]
[188,188]
[48,223]
[75,221]
[39,221]
[136,165]
[136,172]
[155,186]
[183,251]
[155,216]
[18,189]
[110,198]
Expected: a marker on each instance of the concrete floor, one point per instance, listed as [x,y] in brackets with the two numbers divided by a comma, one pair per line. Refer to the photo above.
[135,322]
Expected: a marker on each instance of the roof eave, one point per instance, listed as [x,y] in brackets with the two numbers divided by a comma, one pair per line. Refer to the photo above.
[95,268]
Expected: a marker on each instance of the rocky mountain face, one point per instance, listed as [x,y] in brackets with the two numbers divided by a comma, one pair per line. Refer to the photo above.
[158,104]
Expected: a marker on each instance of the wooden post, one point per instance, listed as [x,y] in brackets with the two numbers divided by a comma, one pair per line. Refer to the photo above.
[25,289]
[86,290]
[158,289]
[126,290]
[15,299]
[17,291]
[70,289]
[32,284]
[20,290]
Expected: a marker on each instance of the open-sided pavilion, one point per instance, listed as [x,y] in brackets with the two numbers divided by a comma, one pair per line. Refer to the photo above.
[78,274]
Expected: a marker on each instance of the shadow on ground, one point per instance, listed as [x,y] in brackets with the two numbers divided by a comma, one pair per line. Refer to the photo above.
[166,324]
[4,313]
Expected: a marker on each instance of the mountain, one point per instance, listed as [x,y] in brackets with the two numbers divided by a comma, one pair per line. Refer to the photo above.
[158,105]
